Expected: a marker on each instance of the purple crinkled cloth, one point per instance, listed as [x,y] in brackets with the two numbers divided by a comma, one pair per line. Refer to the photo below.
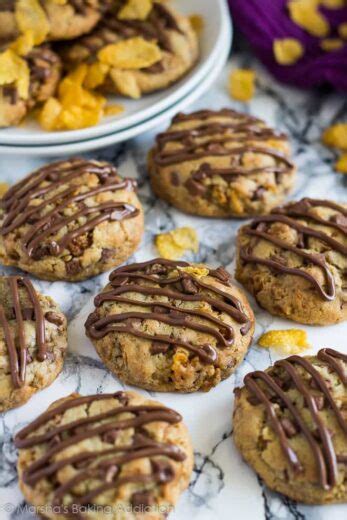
[263,21]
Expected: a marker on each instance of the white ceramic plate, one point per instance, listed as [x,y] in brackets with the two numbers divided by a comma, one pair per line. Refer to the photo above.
[101,142]
[216,25]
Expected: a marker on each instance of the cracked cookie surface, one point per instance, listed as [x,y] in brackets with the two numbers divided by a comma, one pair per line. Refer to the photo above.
[70,220]
[33,341]
[66,20]
[171,326]
[172,33]
[221,164]
[290,425]
[45,72]
[122,452]
[294,261]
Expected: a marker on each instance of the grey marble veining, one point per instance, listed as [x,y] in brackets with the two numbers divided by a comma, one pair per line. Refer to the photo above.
[222,485]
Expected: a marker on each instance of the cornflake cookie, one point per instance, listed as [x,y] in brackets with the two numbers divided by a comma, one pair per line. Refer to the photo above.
[171,326]
[290,425]
[107,453]
[38,73]
[294,261]
[131,55]
[70,220]
[221,164]
[51,19]
[33,341]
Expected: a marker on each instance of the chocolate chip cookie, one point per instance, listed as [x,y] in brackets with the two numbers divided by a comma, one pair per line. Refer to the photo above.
[176,41]
[33,341]
[221,164]
[119,454]
[290,426]
[65,19]
[70,220]
[171,326]
[45,72]
[294,261]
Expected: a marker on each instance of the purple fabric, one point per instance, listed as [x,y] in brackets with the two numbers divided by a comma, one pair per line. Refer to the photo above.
[263,21]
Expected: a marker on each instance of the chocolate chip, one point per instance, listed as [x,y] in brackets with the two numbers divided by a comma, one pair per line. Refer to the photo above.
[160,310]
[122,397]
[259,193]
[111,473]
[195,188]
[289,427]
[188,285]
[142,499]
[73,267]
[40,252]
[54,317]
[163,471]
[175,179]
[253,400]
[156,269]
[107,254]
[110,437]
[340,220]
[320,401]
[28,314]
[159,347]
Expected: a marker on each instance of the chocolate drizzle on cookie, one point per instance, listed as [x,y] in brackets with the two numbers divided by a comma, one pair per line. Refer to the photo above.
[212,134]
[269,388]
[104,466]
[290,215]
[168,279]
[61,204]
[17,344]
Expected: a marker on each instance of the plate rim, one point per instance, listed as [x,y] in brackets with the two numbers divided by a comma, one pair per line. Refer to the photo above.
[74,136]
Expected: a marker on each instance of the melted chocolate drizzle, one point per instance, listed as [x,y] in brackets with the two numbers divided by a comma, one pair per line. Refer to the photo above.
[288,215]
[182,287]
[210,139]
[46,182]
[105,426]
[17,346]
[319,440]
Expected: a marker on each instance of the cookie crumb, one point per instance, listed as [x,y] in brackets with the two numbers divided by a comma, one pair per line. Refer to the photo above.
[175,243]
[197,22]
[290,341]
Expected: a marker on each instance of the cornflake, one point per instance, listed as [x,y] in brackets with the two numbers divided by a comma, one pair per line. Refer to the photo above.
[287,51]
[332,4]
[306,15]
[13,69]
[135,10]
[3,188]
[197,22]
[96,75]
[24,43]
[341,164]
[342,30]
[31,17]
[331,44]
[196,271]
[113,110]
[174,244]
[291,341]
[336,136]
[242,84]
[134,53]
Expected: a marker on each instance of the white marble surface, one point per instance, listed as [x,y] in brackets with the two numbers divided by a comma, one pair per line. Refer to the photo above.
[222,486]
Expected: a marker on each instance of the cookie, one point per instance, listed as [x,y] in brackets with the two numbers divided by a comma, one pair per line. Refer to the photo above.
[294,261]
[111,453]
[45,72]
[173,34]
[171,326]
[221,164]
[70,220]
[65,19]
[290,426]
[33,341]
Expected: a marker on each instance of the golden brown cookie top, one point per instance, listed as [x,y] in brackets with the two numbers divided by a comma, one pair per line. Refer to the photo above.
[307,238]
[303,400]
[117,448]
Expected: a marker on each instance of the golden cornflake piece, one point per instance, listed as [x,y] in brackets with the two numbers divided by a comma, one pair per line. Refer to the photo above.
[242,84]
[342,30]
[31,17]
[134,53]
[113,110]
[96,75]
[331,44]
[197,22]
[180,358]
[48,117]
[59,2]
[3,188]
[136,10]
[341,164]
[336,136]
[291,341]
[332,4]
[288,51]
[13,69]
[174,244]
[195,270]
[24,43]
[126,83]
[306,15]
